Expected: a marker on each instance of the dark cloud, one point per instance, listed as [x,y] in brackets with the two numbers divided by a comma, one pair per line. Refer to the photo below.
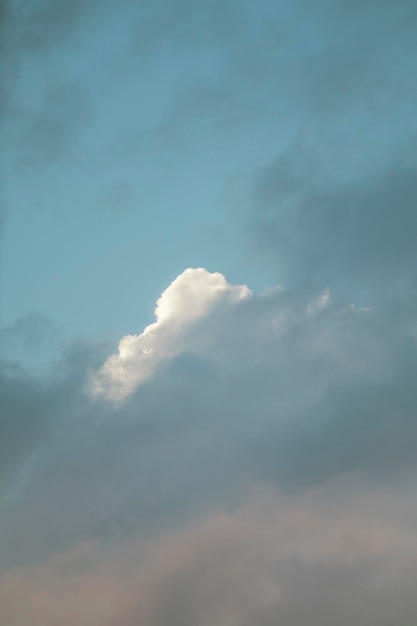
[25,400]
[282,390]
[139,510]
[338,206]
[360,238]
[25,419]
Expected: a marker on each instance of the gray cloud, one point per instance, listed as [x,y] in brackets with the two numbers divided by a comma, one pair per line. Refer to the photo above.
[359,238]
[24,419]
[331,554]
[279,388]
[25,401]
[337,207]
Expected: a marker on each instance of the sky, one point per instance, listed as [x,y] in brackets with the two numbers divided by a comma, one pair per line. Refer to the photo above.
[208,319]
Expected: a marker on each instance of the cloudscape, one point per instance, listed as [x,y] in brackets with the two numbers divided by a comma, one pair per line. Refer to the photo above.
[208,372]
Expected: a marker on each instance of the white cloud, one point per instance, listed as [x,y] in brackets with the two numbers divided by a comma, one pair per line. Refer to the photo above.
[188,299]
[201,313]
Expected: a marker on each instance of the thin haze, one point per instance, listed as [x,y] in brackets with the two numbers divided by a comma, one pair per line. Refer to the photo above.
[209,313]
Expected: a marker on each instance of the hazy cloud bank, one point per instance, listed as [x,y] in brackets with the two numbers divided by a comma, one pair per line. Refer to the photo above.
[333,554]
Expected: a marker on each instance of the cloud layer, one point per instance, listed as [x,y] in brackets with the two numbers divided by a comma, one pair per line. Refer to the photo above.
[316,558]
[246,458]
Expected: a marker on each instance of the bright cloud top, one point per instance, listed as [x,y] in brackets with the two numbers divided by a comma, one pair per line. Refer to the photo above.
[188,299]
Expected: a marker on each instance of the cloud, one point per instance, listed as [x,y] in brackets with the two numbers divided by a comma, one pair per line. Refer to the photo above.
[124,478]
[190,297]
[24,421]
[287,390]
[226,386]
[336,205]
[332,554]
[359,238]
[25,337]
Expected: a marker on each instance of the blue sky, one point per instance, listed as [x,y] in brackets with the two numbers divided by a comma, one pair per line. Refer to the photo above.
[124,191]
[208,313]
[135,137]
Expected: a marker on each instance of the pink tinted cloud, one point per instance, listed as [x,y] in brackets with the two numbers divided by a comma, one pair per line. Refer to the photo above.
[319,558]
